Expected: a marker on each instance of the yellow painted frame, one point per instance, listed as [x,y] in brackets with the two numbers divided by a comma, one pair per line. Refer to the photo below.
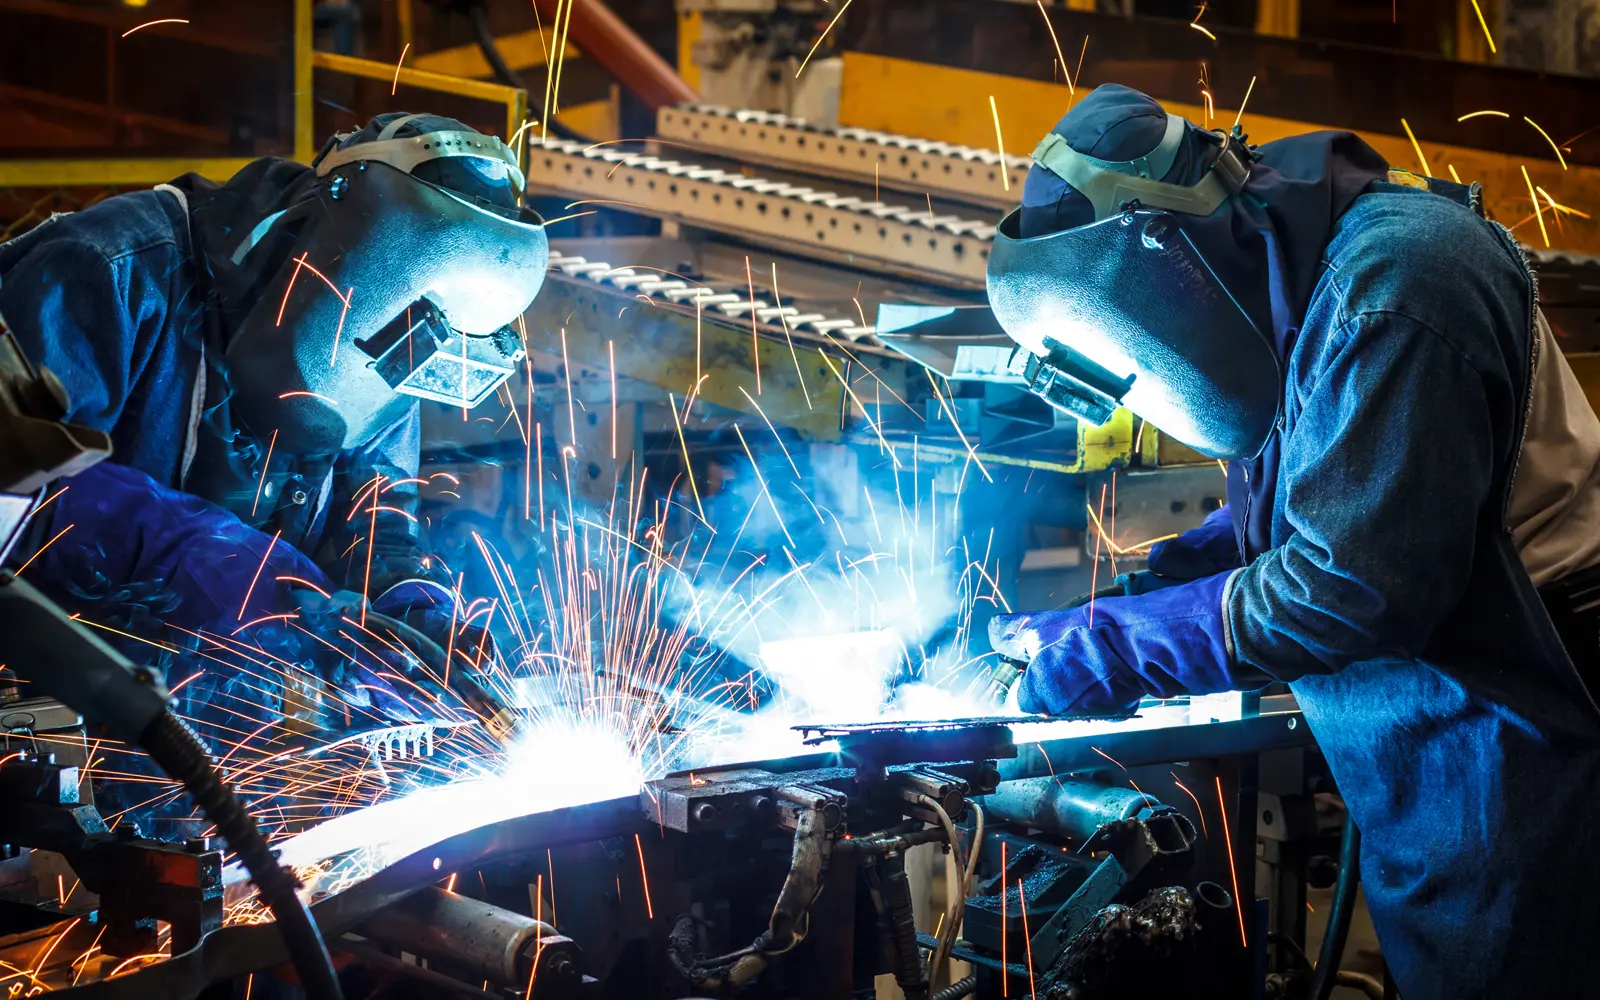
[515,99]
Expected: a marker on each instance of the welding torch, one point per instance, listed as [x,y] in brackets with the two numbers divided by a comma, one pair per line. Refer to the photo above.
[1008,671]
[497,717]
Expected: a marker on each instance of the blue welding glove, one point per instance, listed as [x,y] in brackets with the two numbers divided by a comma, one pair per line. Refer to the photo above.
[1100,659]
[1211,547]
[186,577]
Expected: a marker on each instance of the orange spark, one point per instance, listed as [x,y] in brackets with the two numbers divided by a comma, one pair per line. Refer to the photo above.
[45,504]
[1539,212]
[1110,758]
[1479,114]
[820,37]
[1484,24]
[252,589]
[37,554]
[1416,146]
[150,24]
[264,468]
[299,262]
[1000,147]
[1005,970]
[644,878]
[1203,30]
[1198,810]
[1559,158]
[1022,901]
[307,392]
[396,86]
[1247,92]
[1238,904]
[1053,41]
[755,341]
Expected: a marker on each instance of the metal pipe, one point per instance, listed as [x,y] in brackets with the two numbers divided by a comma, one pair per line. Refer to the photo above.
[1344,904]
[1066,806]
[603,37]
[490,942]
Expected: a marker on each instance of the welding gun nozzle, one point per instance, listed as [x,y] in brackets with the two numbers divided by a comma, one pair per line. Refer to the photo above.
[1002,679]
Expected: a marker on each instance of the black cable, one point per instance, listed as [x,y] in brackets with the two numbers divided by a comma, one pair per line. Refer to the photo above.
[957,990]
[1344,905]
[479,16]
[175,749]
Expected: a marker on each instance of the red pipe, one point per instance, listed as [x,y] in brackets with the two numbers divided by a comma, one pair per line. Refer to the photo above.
[603,36]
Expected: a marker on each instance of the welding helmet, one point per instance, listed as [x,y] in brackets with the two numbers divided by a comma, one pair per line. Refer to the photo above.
[403,273]
[1110,297]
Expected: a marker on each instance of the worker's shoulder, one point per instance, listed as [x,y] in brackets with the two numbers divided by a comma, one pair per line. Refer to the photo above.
[1401,252]
[127,225]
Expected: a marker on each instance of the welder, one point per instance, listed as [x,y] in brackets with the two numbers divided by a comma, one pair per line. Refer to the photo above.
[1413,473]
[257,351]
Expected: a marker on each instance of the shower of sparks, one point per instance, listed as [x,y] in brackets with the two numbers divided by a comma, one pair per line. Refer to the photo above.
[151,24]
[1000,147]
[1426,171]
[818,43]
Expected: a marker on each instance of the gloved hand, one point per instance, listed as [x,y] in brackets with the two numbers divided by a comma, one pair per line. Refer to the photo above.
[1211,547]
[1100,659]
[188,574]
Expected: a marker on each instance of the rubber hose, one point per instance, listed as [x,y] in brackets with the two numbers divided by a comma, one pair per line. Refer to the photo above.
[479,17]
[175,748]
[896,890]
[958,989]
[1325,976]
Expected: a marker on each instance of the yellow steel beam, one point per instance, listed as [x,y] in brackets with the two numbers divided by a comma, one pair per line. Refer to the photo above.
[891,95]
[1279,17]
[690,26]
[515,99]
[522,50]
[113,173]
[305,139]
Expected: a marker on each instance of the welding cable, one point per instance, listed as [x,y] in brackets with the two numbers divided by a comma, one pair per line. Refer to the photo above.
[1326,974]
[174,748]
[947,938]
[958,989]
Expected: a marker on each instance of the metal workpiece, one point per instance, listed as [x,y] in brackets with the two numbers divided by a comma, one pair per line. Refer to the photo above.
[904,163]
[476,939]
[906,239]
[1068,806]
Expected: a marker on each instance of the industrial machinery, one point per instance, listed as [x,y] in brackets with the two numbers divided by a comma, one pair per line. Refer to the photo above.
[808,876]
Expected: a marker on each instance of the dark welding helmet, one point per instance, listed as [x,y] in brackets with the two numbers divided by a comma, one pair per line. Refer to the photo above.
[1125,309]
[406,270]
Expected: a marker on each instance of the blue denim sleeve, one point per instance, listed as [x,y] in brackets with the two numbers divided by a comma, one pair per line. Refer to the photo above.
[82,317]
[1382,480]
